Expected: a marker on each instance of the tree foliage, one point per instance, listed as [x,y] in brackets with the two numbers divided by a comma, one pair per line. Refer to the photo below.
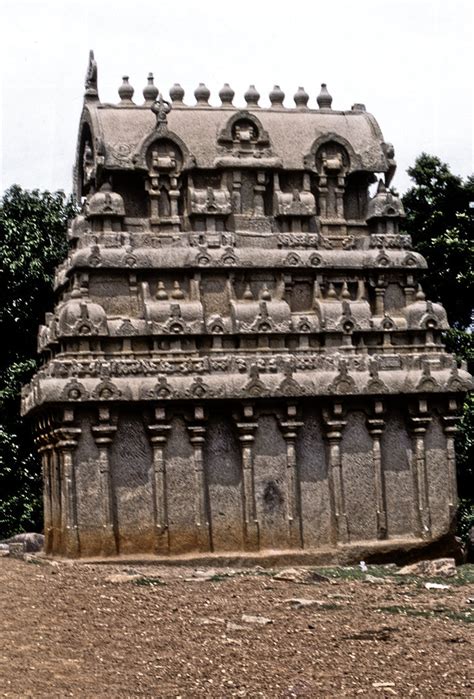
[32,242]
[442,225]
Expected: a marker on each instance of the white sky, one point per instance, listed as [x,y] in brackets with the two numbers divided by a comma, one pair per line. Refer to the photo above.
[410,62]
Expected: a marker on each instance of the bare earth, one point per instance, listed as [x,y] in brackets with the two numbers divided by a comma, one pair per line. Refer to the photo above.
[67,630]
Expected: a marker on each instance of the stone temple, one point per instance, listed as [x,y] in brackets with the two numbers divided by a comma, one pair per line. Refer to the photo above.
[241,361]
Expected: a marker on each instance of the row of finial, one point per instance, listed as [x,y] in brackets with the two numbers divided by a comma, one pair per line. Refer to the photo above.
[202,93]
[226,94]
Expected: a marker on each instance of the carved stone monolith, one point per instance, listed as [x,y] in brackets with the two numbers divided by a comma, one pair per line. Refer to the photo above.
[241,358]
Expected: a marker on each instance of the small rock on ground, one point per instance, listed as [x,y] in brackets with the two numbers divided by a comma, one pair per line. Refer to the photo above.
[119,578]
[32,541]
[255,619]
[440,567]
[303,576]
[300,602]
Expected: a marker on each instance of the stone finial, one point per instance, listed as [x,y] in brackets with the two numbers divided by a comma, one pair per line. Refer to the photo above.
[248,296]
[345,293]
[91,93]
[150,91]
[161,108]
[161,293]
[276,96]
[126,91]
[324,98]
[301,98]
[202,94]
[420,294]
[226,95]
[177,292]
[177,94]
[358,107]
[252,96]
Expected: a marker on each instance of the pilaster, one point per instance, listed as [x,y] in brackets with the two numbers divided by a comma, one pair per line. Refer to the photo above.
[419,421]
[103,434]
[450,422]
[289,427]
[376,426]
[67,435]
[197,436]
[158,433]
[45,444]
[334,424]
[246,428]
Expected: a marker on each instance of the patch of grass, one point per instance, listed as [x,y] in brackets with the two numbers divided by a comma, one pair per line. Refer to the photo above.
[467,617]
[148,582]
[354,572]
[265,572]
[465,575]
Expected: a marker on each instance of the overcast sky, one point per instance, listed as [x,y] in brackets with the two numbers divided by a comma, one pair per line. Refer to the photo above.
[410,61]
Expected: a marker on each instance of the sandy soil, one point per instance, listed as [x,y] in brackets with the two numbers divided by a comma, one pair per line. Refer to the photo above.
[72,631]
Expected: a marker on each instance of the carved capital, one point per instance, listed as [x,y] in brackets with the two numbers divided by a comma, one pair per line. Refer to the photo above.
[419,424]
[103,434]
[67,437]
[450,424]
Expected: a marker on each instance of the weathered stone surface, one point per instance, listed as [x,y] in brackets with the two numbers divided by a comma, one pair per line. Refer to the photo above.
[17,549]
[256,619]
[32,542]
[301,575]
[241,358]
[442,567]
[302,602]
[119,578]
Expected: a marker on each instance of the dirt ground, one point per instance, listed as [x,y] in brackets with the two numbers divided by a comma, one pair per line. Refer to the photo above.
[70,630]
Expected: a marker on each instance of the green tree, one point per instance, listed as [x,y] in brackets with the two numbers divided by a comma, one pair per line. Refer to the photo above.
[32,242]
[440,221]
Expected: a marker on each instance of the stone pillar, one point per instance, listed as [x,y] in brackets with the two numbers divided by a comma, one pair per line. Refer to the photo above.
[258,197]
[45,445]
[323,196]
[376,426]
[450,428]
[289,428]
[419,422]
[55,475]
[158,433]
[48,465]
[174,208]
[197,436]
[339,193]
[246,429]
[380,301]
[334,425]
[103,434]
[236,191]
[67,435]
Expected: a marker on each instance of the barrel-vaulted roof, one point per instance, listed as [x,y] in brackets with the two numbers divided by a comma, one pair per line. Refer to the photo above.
[293,134]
